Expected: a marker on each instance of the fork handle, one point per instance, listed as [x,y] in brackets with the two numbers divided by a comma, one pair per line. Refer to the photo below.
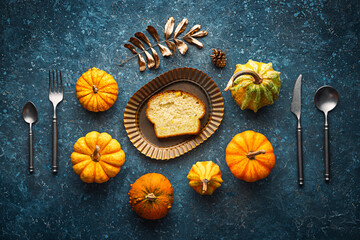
[54,159]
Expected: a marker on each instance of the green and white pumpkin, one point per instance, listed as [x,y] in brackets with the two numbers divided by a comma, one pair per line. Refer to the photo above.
[254,85]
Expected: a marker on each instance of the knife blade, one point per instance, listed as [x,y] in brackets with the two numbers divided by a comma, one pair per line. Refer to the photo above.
[296,99]
[296,110]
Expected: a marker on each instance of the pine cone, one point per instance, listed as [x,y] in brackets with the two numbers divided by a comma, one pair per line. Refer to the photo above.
[218,58]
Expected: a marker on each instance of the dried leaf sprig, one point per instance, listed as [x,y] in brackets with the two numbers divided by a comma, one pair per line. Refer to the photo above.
[153,60]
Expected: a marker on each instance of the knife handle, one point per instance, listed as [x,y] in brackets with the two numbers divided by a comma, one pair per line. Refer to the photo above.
[326,150]
[300,157]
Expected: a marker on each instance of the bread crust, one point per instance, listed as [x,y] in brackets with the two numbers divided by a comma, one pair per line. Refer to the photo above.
[175,91]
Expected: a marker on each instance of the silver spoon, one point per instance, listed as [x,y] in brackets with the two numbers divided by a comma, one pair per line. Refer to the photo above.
[30,115]
[326,99]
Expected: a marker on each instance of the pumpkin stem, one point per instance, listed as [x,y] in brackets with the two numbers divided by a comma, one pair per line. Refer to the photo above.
[257,78]
[151,197]
[251,155]
[205,185]
[96,155]
[95,89]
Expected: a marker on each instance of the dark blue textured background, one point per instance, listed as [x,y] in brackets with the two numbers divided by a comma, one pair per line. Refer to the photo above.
[319,39]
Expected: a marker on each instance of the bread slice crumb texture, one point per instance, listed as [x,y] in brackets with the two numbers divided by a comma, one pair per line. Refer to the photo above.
[175,113]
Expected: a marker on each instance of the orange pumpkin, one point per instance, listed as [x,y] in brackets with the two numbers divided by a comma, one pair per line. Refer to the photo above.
[97,157]
[250,156]
[96,90]
[151,196]
[205,177]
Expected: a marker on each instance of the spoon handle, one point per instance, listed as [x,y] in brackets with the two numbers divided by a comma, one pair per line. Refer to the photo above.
[326,150]
[31,155]
[300,157]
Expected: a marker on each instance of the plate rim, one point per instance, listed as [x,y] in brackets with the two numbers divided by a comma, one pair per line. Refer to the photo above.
[137,100]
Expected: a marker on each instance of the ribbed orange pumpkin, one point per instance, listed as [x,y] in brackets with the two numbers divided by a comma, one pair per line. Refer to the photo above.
[250,156]
[97,157]
[151,196]
[96,90]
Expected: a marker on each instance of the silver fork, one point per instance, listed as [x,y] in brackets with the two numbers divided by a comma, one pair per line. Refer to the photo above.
[56,95]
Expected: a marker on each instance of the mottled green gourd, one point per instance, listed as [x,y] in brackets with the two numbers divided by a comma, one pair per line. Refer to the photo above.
[254,85]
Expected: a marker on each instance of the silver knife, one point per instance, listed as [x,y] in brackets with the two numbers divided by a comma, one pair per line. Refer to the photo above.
[296,109]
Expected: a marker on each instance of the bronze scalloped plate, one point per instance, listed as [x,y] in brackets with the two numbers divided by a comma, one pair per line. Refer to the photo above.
[141,131]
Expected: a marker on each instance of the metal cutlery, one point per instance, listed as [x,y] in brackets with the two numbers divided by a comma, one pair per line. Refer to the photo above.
[30,115]
[296,109]
[326,99]
[56,95]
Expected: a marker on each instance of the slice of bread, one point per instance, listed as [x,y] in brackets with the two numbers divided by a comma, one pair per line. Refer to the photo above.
[175,113]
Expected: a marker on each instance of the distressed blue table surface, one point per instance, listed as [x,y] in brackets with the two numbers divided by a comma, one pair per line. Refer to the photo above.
[319,39]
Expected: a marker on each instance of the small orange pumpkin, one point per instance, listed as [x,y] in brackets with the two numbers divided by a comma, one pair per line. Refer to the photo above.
[205,177]
[250,156]
[151,196]
[97,157]
[96,90]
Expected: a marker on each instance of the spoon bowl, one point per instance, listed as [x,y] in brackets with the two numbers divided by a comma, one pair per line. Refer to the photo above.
[326,99]
[30,115]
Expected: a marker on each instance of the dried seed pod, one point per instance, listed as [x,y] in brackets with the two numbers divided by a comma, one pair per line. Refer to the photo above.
[156,58]
[163,49]
[169,27]
[182,47]
[145,39]
[193,41]
[193,30]
[141,60]
[181,27]
[171,45]
[153,33]
[149,59]
[200,34]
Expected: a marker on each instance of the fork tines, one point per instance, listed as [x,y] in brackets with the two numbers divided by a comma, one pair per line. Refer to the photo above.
[52,86]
